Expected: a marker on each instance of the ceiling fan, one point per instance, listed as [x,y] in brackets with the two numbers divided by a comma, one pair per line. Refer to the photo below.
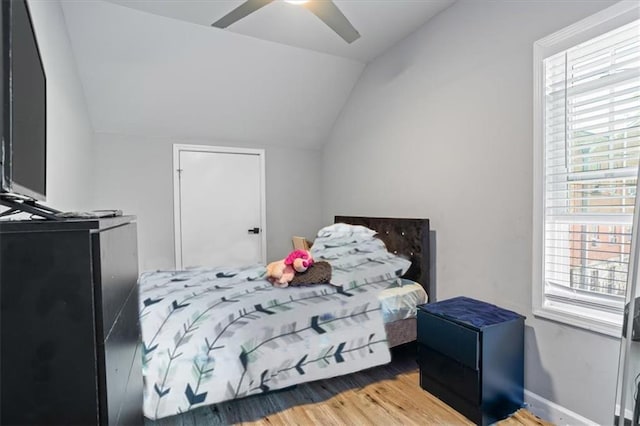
[326,10]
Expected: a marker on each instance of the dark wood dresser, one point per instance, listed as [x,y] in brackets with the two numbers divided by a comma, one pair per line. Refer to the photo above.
[69,342]
[471,356]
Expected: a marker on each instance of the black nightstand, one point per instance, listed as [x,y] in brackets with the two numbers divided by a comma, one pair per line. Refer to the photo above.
[471,356]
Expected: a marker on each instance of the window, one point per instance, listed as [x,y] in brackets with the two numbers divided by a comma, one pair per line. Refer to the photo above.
[587,136]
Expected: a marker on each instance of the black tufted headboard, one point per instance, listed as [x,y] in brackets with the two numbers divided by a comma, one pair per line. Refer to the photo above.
[405,237]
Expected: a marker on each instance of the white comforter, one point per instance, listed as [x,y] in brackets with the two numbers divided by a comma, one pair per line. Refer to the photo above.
[215,334]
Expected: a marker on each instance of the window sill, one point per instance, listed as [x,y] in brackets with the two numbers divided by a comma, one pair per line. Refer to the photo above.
[580,317]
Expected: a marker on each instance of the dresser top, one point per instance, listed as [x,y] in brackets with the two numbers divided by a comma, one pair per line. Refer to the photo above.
[37,225]
[474,313]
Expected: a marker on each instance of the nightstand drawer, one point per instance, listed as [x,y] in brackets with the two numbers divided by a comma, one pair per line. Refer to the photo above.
[449,338]
[470,410]
[459,378]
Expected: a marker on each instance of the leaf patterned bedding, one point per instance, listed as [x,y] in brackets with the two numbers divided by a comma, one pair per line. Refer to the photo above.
[215,334]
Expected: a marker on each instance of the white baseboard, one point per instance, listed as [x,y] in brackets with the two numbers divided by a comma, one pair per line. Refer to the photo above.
[552,412]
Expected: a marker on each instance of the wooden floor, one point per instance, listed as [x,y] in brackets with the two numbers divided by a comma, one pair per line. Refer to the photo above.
[386,395]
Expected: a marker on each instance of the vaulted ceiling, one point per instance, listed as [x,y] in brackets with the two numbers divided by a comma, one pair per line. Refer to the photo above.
[156,68]
[381,23]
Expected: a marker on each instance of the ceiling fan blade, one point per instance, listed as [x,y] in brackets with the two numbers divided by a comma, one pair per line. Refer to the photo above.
[329,13]
[240,12]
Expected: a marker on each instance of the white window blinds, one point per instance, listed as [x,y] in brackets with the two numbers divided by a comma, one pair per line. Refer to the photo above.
[592,147]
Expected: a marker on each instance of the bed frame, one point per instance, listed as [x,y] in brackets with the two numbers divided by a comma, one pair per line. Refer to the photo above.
[408,238]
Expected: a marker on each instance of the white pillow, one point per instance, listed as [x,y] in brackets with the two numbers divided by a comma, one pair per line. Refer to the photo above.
[356,256]
[345,228]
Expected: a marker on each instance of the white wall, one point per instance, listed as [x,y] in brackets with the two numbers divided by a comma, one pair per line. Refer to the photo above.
[69,131]
[135,174]
[167,81]
[440,126]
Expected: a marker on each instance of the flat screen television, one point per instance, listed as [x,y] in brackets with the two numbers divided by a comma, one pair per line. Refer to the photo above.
[24,112]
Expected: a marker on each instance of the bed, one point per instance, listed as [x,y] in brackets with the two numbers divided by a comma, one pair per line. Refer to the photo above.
[216,334]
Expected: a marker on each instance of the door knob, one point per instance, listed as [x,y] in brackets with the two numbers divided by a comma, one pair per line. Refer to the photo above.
[254,231]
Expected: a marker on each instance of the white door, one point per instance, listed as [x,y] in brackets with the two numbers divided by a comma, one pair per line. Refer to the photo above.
[219,206]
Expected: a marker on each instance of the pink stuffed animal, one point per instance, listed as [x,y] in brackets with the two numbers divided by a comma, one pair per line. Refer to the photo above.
[301,260]
[281,272]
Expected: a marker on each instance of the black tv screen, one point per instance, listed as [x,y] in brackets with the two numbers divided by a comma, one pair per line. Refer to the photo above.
[24,95]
